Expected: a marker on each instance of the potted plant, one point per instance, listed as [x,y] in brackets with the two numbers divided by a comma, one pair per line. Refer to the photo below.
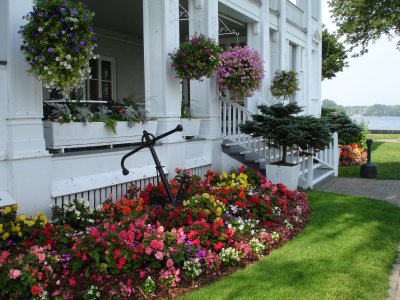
[190,124]
[282,128]
[195,58]
[58,42]
[240,71]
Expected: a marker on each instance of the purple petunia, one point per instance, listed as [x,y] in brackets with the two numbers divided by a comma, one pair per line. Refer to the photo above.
[50,50]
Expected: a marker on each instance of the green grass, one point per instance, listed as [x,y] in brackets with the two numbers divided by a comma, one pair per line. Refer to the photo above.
[383,136]
[346,252]
[386,156]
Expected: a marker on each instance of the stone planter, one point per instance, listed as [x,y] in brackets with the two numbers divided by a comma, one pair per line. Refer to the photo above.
[191,127]
[75,135]
[288,175]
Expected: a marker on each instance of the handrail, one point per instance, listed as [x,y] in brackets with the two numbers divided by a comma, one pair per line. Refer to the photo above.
[232,114]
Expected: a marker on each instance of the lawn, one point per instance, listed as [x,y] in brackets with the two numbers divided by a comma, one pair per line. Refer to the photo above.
[386,156]
[346,252]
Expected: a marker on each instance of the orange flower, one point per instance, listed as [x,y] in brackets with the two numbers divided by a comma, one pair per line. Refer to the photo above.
[242,195]
[139,208]
[126,210]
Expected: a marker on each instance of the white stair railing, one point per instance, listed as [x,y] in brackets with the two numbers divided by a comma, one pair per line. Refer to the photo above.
[233,114]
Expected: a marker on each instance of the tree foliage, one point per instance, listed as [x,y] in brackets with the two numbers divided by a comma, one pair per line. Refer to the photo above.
[281,127]
[349,131]
[365,21]
[334,55]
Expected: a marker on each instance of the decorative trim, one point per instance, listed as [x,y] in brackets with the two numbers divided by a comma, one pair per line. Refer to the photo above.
[295,25]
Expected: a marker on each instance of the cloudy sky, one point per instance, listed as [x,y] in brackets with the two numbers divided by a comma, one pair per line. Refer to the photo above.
[373,78]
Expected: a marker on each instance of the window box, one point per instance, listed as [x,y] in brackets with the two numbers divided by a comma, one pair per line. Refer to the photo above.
[191,127]
[74,135]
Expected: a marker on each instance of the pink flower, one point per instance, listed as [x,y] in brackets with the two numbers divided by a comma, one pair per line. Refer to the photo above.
[170,263]
[159,255]
[14,273]
[148,250]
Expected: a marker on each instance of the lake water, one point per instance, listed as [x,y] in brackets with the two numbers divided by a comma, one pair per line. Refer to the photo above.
[380,123]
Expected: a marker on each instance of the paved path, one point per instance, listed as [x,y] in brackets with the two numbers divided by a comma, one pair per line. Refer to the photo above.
[386,190]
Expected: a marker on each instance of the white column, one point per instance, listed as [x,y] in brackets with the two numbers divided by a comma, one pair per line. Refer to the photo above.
[25,108]
[283,61]
[204,94]
[3,87]
[160,37]
[309,76]
[27,161]
[258,39]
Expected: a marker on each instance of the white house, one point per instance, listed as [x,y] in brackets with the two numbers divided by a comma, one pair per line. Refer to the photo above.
[134,39]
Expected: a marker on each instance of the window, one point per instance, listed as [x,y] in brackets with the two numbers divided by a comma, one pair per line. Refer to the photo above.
[102,85]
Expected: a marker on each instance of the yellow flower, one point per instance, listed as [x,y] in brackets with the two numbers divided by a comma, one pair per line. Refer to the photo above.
[233,176]
[224,175]
[30,223]
[15,228]
[5,235]
[20,234]
[219,211]
[1,227]
[22,217]
[7,210]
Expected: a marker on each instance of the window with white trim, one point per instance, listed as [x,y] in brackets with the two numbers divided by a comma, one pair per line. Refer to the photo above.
[101,85]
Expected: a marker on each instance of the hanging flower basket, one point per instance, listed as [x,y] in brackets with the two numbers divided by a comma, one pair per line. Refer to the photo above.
[196,58]
[284,84]
[241,71]
[58,42]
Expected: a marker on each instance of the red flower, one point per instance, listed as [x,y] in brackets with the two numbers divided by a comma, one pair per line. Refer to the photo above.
[72,281]
[218,246]
[126,210]
[36,290]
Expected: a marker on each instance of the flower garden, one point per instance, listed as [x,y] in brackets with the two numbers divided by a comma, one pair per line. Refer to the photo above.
[351,155]
[136,248]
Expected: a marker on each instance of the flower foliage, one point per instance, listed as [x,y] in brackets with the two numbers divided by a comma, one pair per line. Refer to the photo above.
[351,155]
[133,247]
[58,42]
[284,84]
[241,71]
[196,57]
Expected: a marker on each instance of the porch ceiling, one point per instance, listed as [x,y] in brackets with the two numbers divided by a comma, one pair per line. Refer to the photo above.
[122,16]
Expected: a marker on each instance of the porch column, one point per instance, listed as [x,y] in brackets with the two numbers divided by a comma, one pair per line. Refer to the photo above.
[204,94]
[28,162]
[162,89]
[283,61]
[258,39]
[3,72]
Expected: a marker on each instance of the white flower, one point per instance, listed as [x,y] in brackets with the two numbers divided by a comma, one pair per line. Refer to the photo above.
[57,58]
[63,31]
[40,29]
[45,68]
[52,83]
[50,72]
[68,56]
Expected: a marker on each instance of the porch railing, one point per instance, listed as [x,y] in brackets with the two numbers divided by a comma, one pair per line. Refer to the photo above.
[233,114]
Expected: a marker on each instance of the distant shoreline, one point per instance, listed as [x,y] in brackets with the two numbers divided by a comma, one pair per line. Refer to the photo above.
[379,131]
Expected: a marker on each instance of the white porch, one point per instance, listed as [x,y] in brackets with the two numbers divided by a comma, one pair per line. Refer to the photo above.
[134,39]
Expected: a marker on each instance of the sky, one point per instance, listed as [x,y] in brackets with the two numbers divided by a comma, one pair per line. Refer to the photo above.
[373,78]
